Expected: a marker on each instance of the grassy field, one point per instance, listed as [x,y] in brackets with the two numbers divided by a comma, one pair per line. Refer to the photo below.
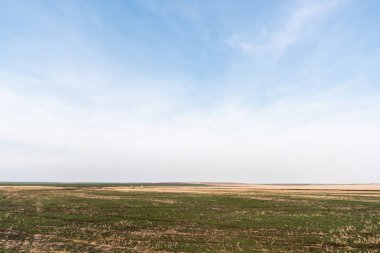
[192,218]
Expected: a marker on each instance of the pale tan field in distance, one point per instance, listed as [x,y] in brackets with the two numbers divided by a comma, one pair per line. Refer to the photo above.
[225,188]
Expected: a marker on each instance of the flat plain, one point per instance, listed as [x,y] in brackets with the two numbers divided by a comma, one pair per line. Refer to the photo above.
[189,218]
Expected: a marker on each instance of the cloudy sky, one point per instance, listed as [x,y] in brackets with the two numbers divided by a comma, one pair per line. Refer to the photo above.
[244,91]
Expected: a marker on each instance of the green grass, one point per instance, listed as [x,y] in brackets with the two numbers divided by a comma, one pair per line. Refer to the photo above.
[91,220]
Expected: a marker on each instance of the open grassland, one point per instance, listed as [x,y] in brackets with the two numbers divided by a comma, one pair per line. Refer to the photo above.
[189,218]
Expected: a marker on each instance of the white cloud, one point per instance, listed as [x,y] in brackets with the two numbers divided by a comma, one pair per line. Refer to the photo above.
[228,142]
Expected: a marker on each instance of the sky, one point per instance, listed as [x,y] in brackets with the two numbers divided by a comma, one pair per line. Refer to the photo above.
[195,91]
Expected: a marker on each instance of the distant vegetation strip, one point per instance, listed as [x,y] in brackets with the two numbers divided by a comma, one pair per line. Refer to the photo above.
[95,184]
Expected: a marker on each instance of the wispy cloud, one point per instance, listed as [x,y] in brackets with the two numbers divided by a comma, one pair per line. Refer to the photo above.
[289,28]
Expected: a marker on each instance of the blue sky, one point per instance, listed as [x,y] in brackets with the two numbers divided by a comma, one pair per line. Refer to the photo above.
[246,91]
